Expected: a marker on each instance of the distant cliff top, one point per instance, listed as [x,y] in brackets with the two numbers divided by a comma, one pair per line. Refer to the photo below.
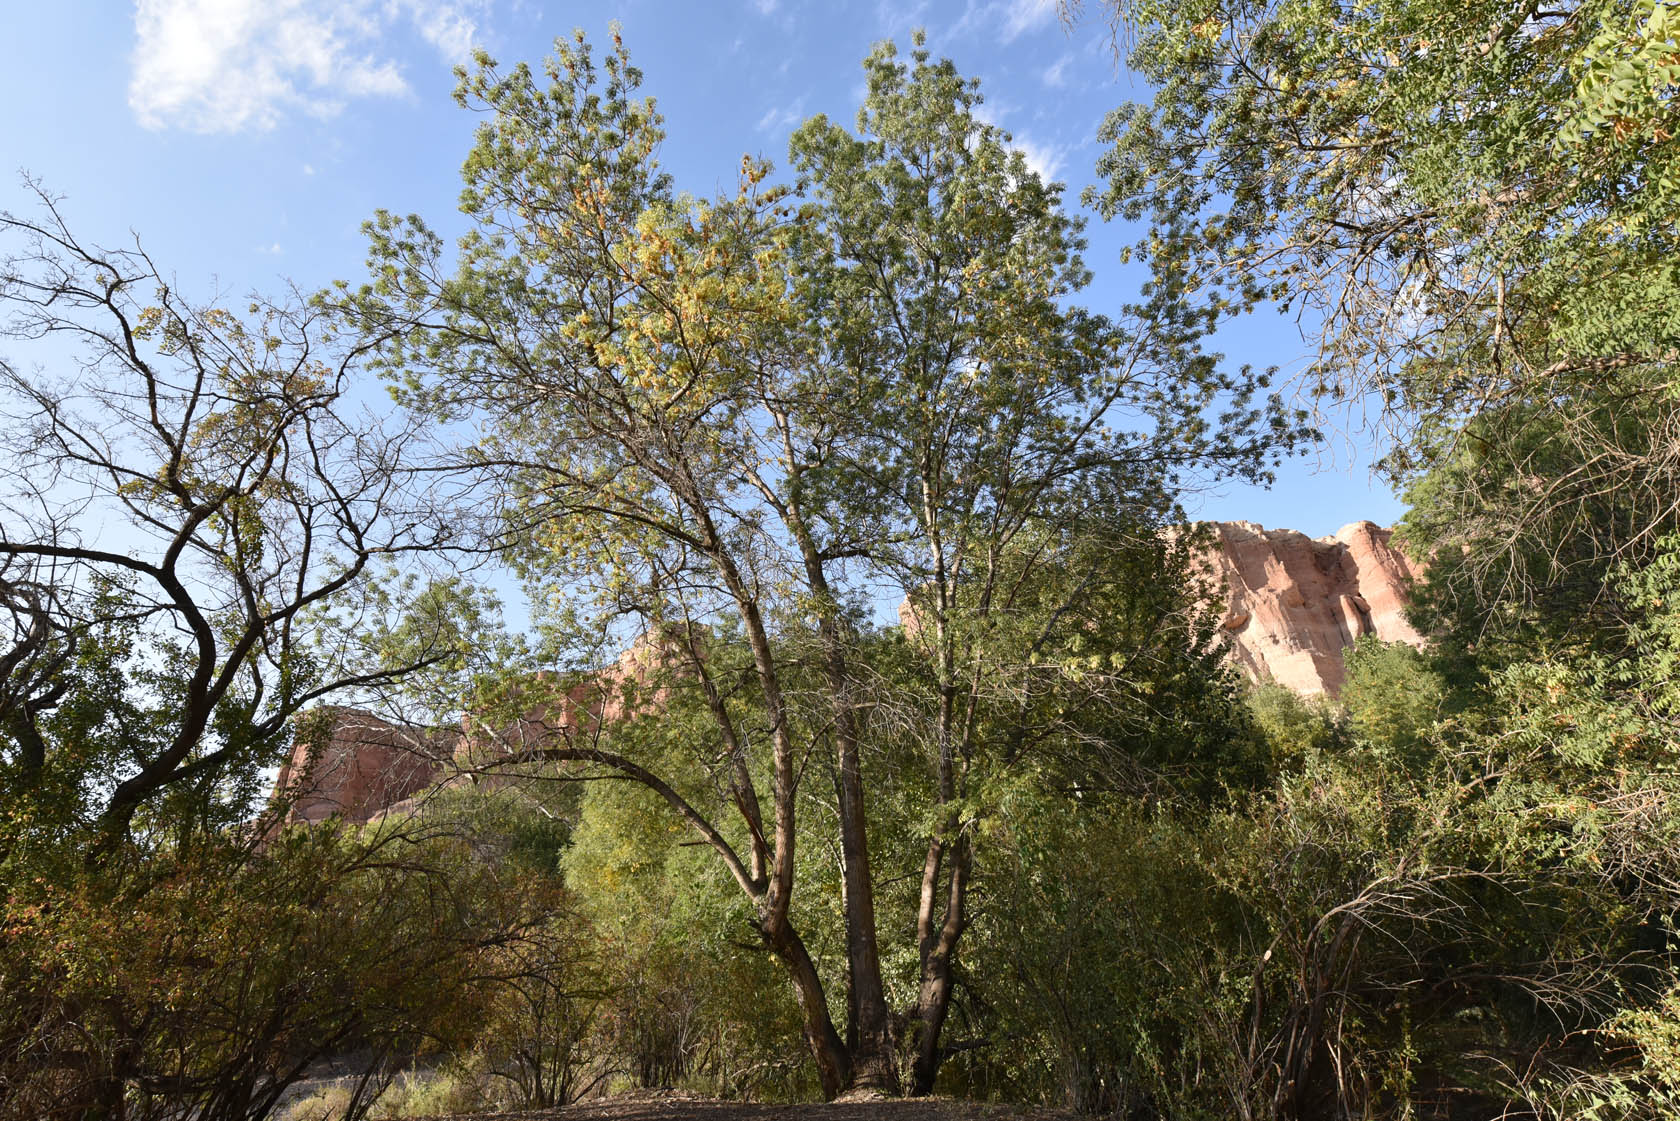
[1294,602]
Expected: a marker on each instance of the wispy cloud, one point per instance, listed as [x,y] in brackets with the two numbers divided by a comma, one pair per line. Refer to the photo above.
[896,19]
[449,25]
[1045,159]
[1023,16]
[1006,20]
[765,7]
[274,250]
[231,65]
[1055,75]
[780,117]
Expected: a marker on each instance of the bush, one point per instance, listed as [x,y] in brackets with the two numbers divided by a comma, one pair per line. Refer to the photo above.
[1293,727]
[329,1103]
[437,1093]
[692,1001]
[1393,698]
[207,982]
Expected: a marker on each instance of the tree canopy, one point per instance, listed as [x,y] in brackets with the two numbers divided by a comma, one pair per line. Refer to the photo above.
[1471,211]
[756,415]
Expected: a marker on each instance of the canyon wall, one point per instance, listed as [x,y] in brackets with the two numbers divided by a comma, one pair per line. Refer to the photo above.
[1294,602]
[365,766]
[369,766]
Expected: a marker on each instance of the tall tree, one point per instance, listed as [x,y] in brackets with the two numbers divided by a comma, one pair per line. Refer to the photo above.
[615,340]
[740,417]
[182,487]
[185,490]
[1472,209]
[988,437]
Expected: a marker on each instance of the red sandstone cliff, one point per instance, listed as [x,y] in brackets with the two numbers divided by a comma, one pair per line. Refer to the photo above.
[369,766]
[365,766]
[1294,602]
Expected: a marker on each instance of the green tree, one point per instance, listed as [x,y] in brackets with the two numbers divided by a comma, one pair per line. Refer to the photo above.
[933,279]
[187,492]
[732,420]
[1472,208]
[177,501]
[1294,729]
[1393,697]
[207,982]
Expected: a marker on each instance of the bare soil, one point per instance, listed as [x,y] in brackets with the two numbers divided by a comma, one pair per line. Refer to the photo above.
[668,1106]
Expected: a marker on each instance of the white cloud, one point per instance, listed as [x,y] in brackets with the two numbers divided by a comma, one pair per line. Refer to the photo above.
[1007,19]
[1055,75]
[309,169]
[1045,159]
[780,117]
[1023,16]
[765,7]
[993,113]
[897,18]
[272,250]
[451,27]
[228,65]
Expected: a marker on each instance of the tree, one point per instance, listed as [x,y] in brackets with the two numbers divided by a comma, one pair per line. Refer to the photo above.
[732,420]
[1472,209]
[179,499]
[188,494]
[934,272]
[1392,696]
[205,983]
[539,974]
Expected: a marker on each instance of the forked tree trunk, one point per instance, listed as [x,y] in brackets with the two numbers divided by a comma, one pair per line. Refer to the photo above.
[869,1027]
[938,948]
[834,1062]
[874,1061]
[942,910]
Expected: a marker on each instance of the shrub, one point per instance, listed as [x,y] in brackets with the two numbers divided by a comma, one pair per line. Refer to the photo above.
[329,1103]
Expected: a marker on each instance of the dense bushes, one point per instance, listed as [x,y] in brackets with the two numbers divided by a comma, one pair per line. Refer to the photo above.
[1430,905]
[203,986]
[1360,939]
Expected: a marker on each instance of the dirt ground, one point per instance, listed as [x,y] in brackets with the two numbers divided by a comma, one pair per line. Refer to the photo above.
[681,1107]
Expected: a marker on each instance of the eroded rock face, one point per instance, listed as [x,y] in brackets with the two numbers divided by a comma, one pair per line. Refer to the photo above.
[1294,602]
[366,766]
[370,767]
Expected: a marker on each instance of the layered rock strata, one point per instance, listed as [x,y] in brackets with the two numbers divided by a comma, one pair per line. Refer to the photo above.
[1294,602]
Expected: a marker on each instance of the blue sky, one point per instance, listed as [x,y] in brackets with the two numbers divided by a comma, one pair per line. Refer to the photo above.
[245,141]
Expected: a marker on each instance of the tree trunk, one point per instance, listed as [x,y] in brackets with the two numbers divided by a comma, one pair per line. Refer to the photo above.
[834,1063]
[875,1065]
[874,1057]
[933,1000]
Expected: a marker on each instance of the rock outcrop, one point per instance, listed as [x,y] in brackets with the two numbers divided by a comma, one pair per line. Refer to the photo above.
[365,766]
[1294,602]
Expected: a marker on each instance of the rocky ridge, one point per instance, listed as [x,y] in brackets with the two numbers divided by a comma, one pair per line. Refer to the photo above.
[1293,603]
